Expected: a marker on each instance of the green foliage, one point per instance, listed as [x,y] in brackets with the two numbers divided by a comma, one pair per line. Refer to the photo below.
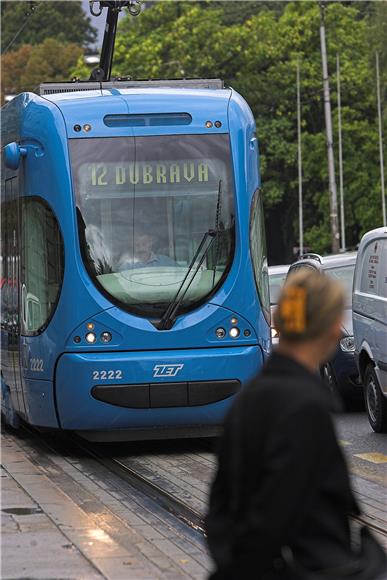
[25,68]
[255,47]
[64,21]
[377,35]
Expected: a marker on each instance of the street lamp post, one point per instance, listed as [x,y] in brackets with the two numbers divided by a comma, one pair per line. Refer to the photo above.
[341,181]
[380,140]
[328,123]
[300,208]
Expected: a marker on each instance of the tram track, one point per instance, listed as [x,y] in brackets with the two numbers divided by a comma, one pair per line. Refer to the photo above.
[371,524]
[164,499]
[174,505]
[167,501]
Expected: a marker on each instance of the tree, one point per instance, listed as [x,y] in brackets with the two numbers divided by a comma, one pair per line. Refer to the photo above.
[239,12]
[258,57]
[64,21]
[377,40]
[268,81]
[25,68]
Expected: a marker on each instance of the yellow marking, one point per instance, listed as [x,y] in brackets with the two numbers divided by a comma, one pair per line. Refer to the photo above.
[372,457]
[344,443]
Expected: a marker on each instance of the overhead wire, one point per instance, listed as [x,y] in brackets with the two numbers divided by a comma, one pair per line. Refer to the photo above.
[33,9]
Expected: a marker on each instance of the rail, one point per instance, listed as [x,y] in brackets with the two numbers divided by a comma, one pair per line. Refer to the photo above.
[164,499]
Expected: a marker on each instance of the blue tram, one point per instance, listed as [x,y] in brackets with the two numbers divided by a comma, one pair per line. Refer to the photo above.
[133,270]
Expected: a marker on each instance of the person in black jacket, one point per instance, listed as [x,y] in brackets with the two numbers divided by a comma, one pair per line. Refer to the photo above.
[282,485]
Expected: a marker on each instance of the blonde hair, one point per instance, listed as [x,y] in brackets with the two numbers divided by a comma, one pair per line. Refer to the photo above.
[309,304]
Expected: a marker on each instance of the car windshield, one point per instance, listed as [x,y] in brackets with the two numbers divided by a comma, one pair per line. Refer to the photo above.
[276,281]
[343,274]
[144,205]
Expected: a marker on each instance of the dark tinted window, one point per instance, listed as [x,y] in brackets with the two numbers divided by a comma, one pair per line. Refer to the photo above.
[276,282]
[343,274]
[259,253]
[9,257]
[42,265]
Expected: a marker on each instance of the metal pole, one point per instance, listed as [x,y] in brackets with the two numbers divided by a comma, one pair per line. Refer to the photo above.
[328,123]
[380,139]
[108,42]
[342,215]
[300,208]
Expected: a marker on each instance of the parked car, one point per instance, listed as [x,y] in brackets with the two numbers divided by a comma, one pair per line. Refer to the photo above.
[277,277]
[370,324]
[340,373]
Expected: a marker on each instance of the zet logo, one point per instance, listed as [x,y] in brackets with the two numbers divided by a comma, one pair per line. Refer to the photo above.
[167,370]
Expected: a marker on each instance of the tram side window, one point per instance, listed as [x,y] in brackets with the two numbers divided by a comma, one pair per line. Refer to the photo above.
[3,267]
[258,252]
[9,260]
[42,265]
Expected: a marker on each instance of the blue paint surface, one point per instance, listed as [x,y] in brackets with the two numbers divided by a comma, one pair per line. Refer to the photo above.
[79,410]
[44,125]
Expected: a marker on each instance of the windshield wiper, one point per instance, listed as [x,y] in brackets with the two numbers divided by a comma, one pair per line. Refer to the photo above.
[217,223]
[169,315]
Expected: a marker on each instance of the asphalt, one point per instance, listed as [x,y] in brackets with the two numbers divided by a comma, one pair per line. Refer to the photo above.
[357,438]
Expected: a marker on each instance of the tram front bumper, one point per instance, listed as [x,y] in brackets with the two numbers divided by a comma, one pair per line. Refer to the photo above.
[154,390]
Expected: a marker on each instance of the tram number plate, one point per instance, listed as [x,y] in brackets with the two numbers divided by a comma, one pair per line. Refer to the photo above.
[36,365]
[106,375]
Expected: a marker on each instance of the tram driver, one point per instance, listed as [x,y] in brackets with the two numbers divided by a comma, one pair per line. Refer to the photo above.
[144,256]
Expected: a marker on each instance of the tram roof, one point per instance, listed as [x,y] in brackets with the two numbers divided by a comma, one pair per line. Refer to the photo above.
[112,109]
[201,103]
[163,90]
[152,94]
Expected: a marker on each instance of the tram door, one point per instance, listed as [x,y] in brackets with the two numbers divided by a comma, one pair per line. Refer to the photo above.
[11,323]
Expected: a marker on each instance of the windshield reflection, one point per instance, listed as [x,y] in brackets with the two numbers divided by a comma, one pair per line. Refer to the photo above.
[144,205]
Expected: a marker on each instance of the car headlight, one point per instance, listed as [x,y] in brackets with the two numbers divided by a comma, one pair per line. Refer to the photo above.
[347,344]
[274,333]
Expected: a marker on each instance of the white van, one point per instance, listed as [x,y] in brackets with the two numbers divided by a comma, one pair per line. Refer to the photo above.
[370,323]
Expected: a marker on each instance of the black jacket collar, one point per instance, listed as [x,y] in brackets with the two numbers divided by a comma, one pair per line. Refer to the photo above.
[285,366]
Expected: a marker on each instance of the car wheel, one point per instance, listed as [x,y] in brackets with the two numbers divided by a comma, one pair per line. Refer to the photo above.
[329,378]
[330,381]
[376,403]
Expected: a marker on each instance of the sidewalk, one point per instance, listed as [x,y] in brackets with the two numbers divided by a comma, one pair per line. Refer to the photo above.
[32,545]
[46,534]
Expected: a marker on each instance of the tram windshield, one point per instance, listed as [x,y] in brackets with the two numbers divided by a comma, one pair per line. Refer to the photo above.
[144,205]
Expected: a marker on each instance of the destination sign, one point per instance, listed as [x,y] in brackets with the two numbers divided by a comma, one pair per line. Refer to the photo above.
[104,174]
[95,178]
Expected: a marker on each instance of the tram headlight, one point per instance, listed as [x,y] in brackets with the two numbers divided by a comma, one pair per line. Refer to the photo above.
[234,321]
[106,336]
[90,337]
[234,332]
[220,333]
